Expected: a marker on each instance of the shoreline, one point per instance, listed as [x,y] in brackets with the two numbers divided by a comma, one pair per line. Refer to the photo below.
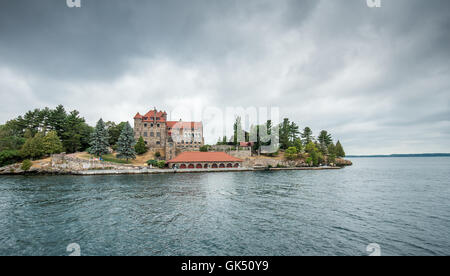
[143,171]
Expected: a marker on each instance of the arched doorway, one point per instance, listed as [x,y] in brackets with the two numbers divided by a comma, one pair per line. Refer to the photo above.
[222,166]
[191,166]
[229,165]
[199,166]
[183,166]
[236,165]
[214,166]
[206,166]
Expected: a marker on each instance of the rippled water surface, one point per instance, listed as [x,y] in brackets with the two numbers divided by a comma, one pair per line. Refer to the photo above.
[400,203]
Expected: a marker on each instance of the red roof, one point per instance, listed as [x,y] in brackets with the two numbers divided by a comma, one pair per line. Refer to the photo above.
[138,116]
[195,156]
[184,125]
[160,116]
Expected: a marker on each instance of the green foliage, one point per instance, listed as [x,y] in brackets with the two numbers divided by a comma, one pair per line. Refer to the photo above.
[99,140]
[307,135]
[331,153]
[314,153]
[161,164]
[204,148]
[126,143]
[285,134]
[298,145]
[52,144]
[34,147]
[26,165]
[113,159]
[140,146]
[114,131]
[153,163]
[9,140]
[157,154]
[291,153]
[339,150]
[157,164]
[8,157]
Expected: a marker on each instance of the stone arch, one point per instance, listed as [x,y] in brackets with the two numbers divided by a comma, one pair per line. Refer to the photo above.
[222,165]
[214,166]
[199,166]
[183,166]
[191,166]
[236,165]
[229,165]
[205,166]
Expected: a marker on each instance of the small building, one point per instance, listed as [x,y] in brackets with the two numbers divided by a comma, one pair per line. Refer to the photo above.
[205,160]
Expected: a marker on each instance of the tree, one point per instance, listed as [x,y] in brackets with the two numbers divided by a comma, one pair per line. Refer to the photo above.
[239,135]
[307,135]
[298,145]
[314,153]
[8,157]
[34,147]
[157,154]
[114,131]
[99,139]
[325,140]
[126,143]
[293,132]
[77,134]
[291,153]
[339,150]
[140,147]
[285,134]
[331,153]
[52,144]
[204,148]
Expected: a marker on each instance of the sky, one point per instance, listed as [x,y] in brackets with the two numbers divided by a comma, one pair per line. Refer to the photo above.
[378,79]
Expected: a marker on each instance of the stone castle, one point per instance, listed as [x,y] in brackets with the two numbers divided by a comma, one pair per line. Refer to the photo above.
[168,137]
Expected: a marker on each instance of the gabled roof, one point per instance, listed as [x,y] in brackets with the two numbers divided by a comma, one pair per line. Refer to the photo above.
[196,156]
[138,116]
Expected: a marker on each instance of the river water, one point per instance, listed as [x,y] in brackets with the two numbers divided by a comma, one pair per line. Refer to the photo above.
[402,204]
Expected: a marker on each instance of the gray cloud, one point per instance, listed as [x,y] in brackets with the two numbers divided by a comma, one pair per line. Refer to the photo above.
[376,78]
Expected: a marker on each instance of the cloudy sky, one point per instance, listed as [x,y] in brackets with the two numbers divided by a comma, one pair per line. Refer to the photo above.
[377,78]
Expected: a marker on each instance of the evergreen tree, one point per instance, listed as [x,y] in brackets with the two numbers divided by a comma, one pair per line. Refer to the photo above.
[126,143]
[293,132]
[99,139]
[307,135]
[339,150]
[325,138]
[52,144]
[285,134]
[298,144]
[34,147]
[140,147]
[114,131]
[291,153]
[331,153]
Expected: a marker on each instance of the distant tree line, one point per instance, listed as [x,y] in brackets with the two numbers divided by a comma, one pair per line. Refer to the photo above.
[294,142]
[43,132]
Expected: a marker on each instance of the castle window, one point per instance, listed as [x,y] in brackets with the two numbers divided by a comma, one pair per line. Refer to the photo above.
[158,142]
[145,125]
[158,125]
[151,125]
[158,134]
[152,134]
[145,134]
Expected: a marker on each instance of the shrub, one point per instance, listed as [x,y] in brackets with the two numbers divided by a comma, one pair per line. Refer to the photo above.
[157,154]
[204,148]
[153,163]
[161,164]
[140,146]
[26,165]
[291,153]
[8,157]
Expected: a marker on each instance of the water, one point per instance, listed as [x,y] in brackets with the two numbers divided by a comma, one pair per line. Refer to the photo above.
[400,203]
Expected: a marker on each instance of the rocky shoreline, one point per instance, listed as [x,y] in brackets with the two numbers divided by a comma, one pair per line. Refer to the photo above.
[62,164]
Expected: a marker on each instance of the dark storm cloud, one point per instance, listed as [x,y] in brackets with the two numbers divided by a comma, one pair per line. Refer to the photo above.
[375,77]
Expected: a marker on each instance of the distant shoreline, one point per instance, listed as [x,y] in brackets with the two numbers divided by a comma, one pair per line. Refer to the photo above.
[401,155]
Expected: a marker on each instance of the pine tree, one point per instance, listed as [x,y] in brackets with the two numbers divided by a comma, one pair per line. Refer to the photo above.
[52,144]
[140,147]
[324,140]
[284,133]
[307,135]
[126,143]
[99,139]
[339,150]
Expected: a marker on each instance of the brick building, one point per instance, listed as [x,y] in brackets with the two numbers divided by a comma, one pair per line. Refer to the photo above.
[205,160]
[168,137]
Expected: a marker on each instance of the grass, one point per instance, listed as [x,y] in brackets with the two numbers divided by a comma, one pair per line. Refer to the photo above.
[113,159]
